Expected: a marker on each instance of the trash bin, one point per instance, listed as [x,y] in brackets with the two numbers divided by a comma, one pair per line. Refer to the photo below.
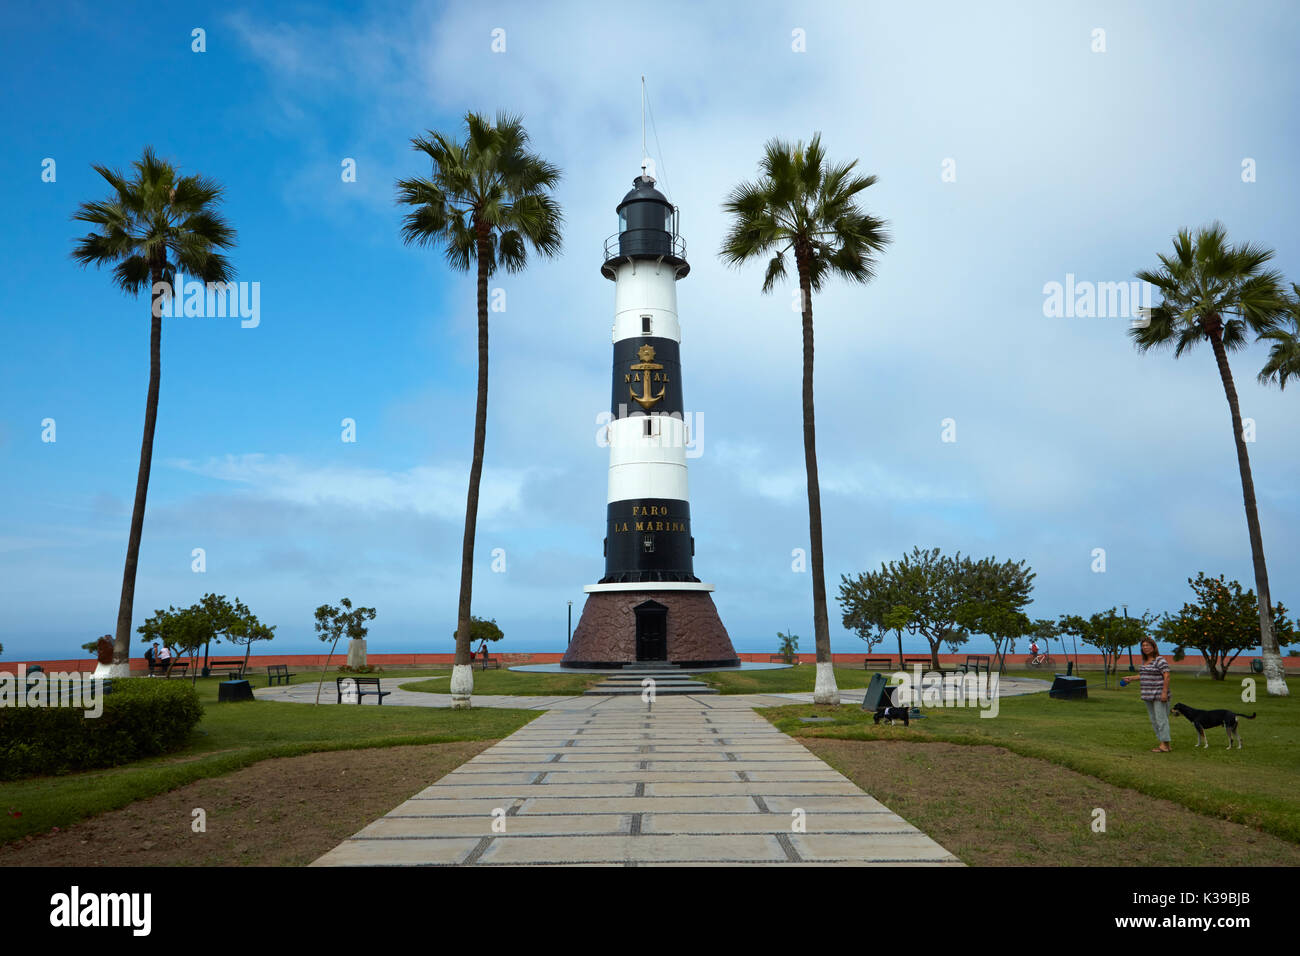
[233,690]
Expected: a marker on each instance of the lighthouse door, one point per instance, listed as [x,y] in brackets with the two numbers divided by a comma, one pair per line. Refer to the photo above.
[651,632]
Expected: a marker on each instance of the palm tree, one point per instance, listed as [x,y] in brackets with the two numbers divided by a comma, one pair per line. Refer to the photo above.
[1284,355]
[803,205]
[486,201]
[151,225]
[1221,293]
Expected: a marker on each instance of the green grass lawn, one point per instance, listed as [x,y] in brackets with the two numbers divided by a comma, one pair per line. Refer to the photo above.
[231,736]
[781,681]
[504,681]
[786,680]
[1109,737]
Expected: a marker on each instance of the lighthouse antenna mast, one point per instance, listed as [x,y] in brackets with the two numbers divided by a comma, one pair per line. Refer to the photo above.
[643,155]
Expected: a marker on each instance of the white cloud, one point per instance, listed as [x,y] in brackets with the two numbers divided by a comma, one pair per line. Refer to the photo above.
[427,490]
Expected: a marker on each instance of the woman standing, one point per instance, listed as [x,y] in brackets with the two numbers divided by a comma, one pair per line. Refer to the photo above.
[1154,675]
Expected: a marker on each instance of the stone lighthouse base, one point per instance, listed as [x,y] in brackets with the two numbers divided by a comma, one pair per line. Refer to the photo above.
[676,625]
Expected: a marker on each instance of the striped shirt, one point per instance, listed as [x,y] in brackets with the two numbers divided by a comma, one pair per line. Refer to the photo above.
[1152,676]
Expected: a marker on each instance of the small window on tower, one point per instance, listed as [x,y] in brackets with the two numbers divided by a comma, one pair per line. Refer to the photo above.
[647,427]
[648,543]
[645,325]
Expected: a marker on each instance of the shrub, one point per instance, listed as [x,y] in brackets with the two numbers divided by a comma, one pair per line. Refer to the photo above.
[141,718]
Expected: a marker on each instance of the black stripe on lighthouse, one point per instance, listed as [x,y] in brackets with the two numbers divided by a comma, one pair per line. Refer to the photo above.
[648,539]
[647,377]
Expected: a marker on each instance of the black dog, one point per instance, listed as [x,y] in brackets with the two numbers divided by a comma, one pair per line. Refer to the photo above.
[891,714]
[1204,719]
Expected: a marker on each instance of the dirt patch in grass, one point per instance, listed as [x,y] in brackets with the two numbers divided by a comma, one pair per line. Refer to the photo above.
[282,812]
[992,807]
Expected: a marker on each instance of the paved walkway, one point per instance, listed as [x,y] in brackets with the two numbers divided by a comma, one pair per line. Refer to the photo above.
[306,693]
[604,781]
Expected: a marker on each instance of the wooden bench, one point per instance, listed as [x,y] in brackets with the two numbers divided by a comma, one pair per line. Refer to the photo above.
[487,661]
[173,666]
[877,663]
[362,687]
[278,673]
[974,662]
[236,668]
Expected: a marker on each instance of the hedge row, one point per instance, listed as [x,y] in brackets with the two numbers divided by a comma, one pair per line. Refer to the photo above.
[141,718]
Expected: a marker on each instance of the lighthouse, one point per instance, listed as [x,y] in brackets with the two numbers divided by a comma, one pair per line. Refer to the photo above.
[649,607]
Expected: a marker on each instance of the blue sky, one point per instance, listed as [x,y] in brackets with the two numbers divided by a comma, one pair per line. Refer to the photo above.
[1068,161]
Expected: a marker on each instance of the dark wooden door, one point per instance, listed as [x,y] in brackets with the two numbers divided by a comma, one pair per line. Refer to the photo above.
[651,632]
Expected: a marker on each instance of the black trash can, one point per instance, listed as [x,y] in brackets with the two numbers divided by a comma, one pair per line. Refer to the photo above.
[234,690]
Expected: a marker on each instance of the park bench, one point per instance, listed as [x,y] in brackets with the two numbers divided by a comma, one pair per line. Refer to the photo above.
[877,663]
[278,673]
[487,660]
[236,668]
[175,667]
[363,686]
[974,662]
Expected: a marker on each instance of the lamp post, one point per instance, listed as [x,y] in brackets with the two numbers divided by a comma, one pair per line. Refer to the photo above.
[570,640]
[1131,668]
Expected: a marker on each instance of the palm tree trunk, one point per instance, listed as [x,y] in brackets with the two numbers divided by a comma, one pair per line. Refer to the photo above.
[1272,658]
[824,690]
[121,666]
[462,678]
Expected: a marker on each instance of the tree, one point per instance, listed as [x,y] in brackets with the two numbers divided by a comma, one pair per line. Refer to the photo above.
[332,623]
[184,631]
[246,630]
[896,619]
[996,593]
[1221,623]
[1109,632]
[927,582]
[1220,293]
[1002,624]
[1284,352]
[788,646]
[223,618]
[805,206]
[151,225]
[486,201]
[1047,631]
[483,629]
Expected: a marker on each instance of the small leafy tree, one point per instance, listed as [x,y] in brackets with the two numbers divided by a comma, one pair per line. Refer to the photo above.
[248,629]
[1001,623]
[1221,623]
[333,622]
[788,646]
[1047,630]
[895,619]
[482,629]
[184,631]
[223,617]
[1109,632]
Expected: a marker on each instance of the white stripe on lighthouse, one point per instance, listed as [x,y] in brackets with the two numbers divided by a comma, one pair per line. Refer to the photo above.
[643,288]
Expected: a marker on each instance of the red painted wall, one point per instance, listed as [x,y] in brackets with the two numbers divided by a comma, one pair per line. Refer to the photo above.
[1087,661]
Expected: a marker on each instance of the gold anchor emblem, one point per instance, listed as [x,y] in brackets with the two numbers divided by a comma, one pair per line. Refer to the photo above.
[647,365]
